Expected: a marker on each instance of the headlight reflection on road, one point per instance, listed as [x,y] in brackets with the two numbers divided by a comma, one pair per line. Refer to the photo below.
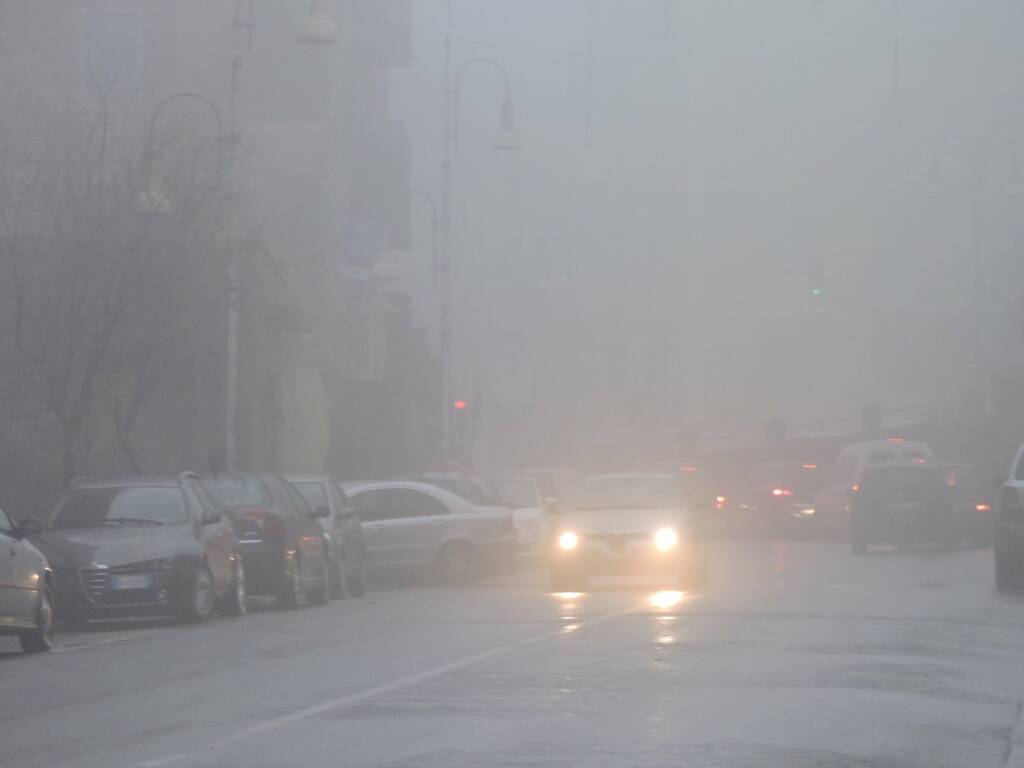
[666,599]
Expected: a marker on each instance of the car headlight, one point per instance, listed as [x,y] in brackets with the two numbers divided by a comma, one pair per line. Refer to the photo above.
[666,539]
[568,541]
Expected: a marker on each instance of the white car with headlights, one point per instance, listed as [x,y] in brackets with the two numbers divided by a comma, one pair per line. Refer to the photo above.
[627,523]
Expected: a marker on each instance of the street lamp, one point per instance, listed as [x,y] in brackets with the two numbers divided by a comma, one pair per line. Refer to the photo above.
[505,139]
[319,28]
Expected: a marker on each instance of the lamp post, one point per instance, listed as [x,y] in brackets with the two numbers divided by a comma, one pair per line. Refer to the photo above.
[505,140]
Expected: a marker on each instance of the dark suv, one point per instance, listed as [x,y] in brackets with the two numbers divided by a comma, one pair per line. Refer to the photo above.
[142,547]
[285,551]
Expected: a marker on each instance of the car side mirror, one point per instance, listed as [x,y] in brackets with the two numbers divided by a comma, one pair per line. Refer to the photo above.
[552,506]
[211,517]
[30,526]
[321,512]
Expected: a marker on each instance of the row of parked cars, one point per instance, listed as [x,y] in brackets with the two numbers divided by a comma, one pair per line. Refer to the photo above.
[190,546]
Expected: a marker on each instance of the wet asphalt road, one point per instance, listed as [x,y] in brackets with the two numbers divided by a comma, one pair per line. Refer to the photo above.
[798,655]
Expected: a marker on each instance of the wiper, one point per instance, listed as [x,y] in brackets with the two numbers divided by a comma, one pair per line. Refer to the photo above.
[131,521]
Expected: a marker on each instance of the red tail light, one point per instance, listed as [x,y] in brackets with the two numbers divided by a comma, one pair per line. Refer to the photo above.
[855,488]
[982,508]
[267,524]
[781,492]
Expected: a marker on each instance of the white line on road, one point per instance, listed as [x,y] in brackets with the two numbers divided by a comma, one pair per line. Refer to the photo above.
[342,702]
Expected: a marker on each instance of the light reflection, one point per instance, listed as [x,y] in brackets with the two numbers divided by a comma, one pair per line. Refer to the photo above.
[569,628]
[665,639]
[567,595]
[666,599]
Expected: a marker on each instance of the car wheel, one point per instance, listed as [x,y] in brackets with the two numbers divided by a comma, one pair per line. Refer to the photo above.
[355,583]
[1007,570]
[289,593]
[457,563]
[40,639]
[199,604]
[322,593]
[339,584]
[234,601]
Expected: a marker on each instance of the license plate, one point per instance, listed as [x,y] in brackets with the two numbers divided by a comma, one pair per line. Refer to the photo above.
[130,582]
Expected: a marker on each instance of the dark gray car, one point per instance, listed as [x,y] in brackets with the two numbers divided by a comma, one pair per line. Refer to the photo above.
[342,530]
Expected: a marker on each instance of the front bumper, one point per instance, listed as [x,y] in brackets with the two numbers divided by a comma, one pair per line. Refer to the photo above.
[619,556]
[108,594]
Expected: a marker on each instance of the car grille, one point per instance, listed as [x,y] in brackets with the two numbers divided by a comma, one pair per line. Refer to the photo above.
[617,542]
[95,581]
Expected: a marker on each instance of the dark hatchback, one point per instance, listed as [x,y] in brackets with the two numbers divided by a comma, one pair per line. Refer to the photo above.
[343,532]
[285,551]
[901,505]
[142,548]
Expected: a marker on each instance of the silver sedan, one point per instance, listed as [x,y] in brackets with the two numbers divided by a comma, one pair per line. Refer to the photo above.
[414,527]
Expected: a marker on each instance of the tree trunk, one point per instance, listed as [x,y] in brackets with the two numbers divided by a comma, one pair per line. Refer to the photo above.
[70,431]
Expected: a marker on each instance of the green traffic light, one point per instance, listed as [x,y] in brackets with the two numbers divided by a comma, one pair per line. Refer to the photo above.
[815,291]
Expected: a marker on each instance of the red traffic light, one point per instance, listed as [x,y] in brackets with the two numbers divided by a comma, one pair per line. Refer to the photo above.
[460,405]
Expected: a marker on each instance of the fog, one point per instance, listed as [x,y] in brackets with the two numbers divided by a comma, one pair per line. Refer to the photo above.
[718,214]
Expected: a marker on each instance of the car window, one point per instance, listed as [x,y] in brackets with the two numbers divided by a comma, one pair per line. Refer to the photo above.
[296,501]
[230,492]
[628,493]
[314,492]
[134,505]
[396,504]
[6,526]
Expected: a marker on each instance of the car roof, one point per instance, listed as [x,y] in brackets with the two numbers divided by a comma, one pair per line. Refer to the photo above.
[412,485]
[309,478]
[125,482]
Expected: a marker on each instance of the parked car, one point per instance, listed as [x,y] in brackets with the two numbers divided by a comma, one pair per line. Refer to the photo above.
[973,502]
[469,486]
[142,547]
[778,498]
[1008,544]
[342,531]
[901,505]
[526,492]
[283,546]
[624,524]
[26,601]
[416,527]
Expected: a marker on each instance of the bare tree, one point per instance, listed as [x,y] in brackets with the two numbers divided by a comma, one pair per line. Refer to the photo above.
[99,227]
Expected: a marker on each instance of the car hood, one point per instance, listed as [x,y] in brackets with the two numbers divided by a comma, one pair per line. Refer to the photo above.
[77,548]
[621,520]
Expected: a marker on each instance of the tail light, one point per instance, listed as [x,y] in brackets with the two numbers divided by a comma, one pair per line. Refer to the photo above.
[779,492]
[720,503]
[1009,504]
[982,508]
[258,524]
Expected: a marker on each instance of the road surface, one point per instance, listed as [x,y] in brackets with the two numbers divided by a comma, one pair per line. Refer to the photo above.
[799,655]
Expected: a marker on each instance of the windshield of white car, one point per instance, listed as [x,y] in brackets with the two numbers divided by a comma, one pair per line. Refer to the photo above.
[627,493]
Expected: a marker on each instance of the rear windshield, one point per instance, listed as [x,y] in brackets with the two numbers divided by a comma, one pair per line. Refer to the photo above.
[902,481]
[238,492]
[314,492]
[880,457]
[115,507]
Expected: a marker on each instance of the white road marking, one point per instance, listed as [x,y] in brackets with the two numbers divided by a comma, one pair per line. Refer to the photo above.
[342,702]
